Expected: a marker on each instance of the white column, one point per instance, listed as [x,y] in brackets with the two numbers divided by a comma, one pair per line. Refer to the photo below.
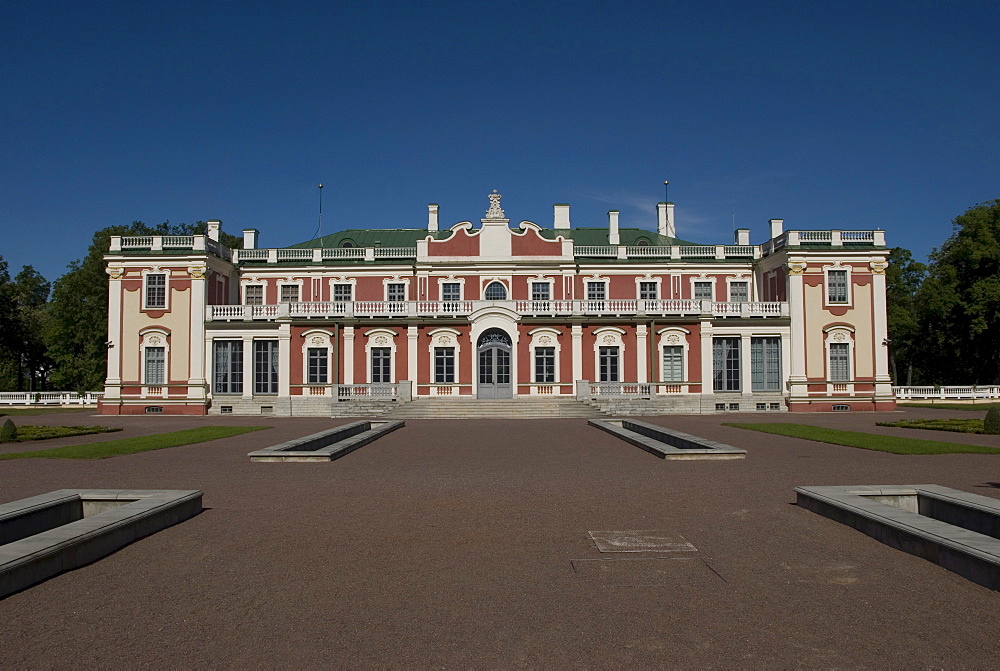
[411,356]
[796,314]
[577,341]
[706,357]
[247,367]
[348,355]
[284,359]
[641,353]
[883,383]
[112,385]
[196,334]
[746,386]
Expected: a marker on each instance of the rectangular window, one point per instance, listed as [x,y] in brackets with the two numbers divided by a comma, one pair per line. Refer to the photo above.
[703,291]
[840,362]
[156,358]
[836,286]
[156,290]
[596,291]
[444,365]
[381,364]
[289,293]
[395,292]
[545,364]
[726,364]
[318,362]
[765,364]
[265,366]
[254,294]
[739,292]
[608,359]
[228,367]
[451,291]
[673,363]
[647,291]
[341,292]
[540,291]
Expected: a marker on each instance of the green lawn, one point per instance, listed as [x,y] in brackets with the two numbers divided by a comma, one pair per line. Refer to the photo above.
[116,448]
[26,432]
[970,407]
[866,441]
[951,424]
[22,412]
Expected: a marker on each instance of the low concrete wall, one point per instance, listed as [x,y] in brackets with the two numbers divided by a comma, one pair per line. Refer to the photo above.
[57,545]
[328,445]
[667,443]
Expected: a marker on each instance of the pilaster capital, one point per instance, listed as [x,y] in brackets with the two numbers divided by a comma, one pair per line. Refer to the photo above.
[796,267]
[115,272]
[197,272]
[878,267]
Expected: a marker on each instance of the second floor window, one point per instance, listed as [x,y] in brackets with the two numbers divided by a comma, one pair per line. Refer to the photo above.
[495,291]
[739,292]
[289,293]
[341,292]
[395,292]
[703,291]
[647,291]
[540,291]
[596,291]
[451,291]
[156,290]
[254,294]
[836,286]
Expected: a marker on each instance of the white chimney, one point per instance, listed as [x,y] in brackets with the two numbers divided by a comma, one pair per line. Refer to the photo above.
[661,218]
[250,238]
[214,226]
[742,236]
[432,217]
[671,228]
[776,227]
[613,238]
[561,215]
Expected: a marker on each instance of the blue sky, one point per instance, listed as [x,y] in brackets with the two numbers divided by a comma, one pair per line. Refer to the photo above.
[852,115]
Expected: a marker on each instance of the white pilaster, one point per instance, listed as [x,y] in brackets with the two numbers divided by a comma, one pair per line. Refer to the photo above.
[247,367]
[797,329]
[883,384]
[576,335]
[746,384]
[348,355]
[706,357]
[112,385]
[284,359]
[196,335]
[411,354]
[641,354]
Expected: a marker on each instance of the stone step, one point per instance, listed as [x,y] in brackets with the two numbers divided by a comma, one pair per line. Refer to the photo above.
[494,408]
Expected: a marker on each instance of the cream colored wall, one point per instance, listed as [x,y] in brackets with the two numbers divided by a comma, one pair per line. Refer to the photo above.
[177,321]
[858,315]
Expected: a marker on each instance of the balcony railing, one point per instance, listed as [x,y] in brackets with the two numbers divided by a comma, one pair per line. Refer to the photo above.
[529,308]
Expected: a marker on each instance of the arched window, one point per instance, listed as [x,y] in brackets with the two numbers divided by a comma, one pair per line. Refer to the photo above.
[642,242]
[495,291]
[347,244]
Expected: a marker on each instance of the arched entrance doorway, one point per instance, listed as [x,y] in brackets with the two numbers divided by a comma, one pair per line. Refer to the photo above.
[494,349]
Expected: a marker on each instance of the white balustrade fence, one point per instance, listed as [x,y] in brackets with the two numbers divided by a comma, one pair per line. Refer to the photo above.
[50,397]
[953,392]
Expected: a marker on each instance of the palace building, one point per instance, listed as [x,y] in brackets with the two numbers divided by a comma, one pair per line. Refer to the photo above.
[363,319]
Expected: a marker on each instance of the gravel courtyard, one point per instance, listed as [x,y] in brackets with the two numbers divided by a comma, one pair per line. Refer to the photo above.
[464,543]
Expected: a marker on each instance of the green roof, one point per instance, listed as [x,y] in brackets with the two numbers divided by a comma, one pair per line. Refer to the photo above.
[596,237]
[407,237]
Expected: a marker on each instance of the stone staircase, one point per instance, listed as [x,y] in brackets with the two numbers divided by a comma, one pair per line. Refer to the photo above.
[301,407]
[518,408]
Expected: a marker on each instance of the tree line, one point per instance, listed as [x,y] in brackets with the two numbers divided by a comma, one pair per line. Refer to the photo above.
[943,316]
[53,336]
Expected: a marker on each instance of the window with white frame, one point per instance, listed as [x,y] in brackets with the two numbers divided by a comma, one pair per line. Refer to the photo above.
[289,293]
[597,291]
[342,292]
[253,294]
[545,364]
[495,291]
[317,365]
[673,363]
[265,366]
[395,292]
[444,365]
[739,292]
[451,292]
[381,361]
[726,364]
[702,291]
[541,291]
[765,364]
[836,286]
[156,290]
[840,362]
[608,363]
[648,291]
[155,365]
[227,367]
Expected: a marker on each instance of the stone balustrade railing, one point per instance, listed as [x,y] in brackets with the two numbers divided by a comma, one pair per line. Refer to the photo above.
[542,308]
[50,397]
[952,392]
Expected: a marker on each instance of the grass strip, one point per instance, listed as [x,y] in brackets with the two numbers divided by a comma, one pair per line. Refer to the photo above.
[22,412]
[955,425]
[866,441]
[968,407]
[117,448]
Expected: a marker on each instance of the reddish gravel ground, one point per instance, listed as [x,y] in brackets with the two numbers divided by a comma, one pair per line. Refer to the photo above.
[465,544]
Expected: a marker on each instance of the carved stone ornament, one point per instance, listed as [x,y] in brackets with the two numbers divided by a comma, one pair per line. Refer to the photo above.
[796,267]
[673,338]
[317,340]
[380,340]
[839,336]
[197,272]
[494,212]
[544,340]
[609,339]
[115,272]
[154,340]
[444,340]
[878,267]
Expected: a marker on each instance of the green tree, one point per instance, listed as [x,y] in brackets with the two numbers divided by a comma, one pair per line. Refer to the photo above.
[9,328]
[31,295]
[959,302]
[903,279]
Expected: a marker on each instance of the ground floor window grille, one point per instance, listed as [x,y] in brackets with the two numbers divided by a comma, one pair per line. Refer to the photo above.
[545,364]
[381,364]
[726,364]
[228,367]
[318,364]
[444,365]
[265,366]
[673,363]
[155,365]
[765,364]
[608,358]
